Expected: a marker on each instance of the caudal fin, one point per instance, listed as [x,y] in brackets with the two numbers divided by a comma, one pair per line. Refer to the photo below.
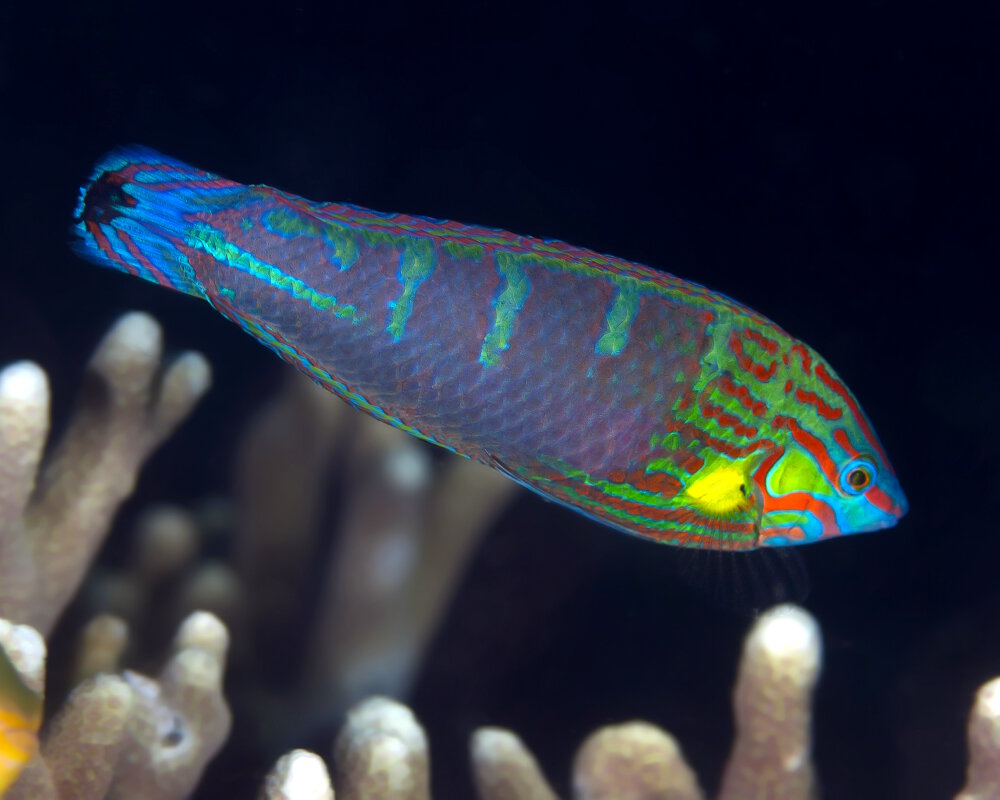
[134,214]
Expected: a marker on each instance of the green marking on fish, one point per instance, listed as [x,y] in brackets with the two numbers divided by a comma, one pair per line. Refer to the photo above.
[416,263]
[339,238]
[618,322]
[510,300]
[458,250]
[213,242]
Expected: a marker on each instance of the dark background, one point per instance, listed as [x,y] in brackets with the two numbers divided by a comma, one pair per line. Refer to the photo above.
[835,169]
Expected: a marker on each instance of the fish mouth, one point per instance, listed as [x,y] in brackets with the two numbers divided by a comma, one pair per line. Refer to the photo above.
[883,518]
[898,505]
[881,525]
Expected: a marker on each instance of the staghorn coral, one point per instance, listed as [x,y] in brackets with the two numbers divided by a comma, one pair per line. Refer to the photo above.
[53,521]
[633,760]
[299,775]
[504,769]
[402,536]
[100,647]
[983,779]
[180,719]
[82,745]
[131,736]
[770,756]
[773,705]
[381,753]
[166,577]
[402,539]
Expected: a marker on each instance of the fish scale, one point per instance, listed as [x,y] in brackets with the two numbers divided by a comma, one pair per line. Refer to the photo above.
[639,399]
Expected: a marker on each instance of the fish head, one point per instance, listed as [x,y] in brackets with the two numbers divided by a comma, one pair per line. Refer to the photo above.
[827,474]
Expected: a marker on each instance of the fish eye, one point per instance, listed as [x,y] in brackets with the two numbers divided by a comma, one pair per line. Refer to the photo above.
[857,476]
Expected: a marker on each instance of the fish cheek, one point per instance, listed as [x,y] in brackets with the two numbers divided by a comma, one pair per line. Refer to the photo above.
[794,472]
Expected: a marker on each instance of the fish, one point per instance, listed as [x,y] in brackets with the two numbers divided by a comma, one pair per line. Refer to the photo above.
[20,719]
[644,401]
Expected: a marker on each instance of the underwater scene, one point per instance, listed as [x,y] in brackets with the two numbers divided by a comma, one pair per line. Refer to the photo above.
[499,400]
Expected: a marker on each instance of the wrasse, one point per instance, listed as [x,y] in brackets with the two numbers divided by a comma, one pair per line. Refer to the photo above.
[20,718]
[650,403]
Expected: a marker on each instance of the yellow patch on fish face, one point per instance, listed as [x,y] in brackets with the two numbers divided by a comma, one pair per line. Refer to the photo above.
[720,488]
[796,472]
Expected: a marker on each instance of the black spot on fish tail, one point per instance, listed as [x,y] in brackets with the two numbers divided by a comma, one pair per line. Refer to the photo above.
[105,199]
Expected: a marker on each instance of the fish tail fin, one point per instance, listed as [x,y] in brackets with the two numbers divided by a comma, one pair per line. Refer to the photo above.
[134,213]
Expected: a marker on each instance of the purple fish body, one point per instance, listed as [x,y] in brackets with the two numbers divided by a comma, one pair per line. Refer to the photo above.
[645,401]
